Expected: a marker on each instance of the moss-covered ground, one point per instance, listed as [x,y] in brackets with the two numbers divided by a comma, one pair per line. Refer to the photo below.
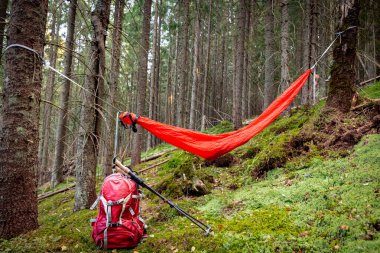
[274,197]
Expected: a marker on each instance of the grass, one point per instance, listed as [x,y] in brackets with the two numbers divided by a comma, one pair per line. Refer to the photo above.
[311,203]
[371,91]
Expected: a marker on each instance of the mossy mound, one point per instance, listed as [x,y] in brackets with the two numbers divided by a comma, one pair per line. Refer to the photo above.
[184,175]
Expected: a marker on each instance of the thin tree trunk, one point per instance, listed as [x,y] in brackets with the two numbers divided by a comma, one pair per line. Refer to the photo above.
[60,142]
[89,131]
[239,67]
[158,68]
[21,97]
[343,75]
[313,43]
[206,71]
[183,60]
[223,74]
[196,78]
[285,78]
[142,78]
[174,101]
[305,93]
[113,83]
[153,76]
[269,88]
[3,16]
[169,95]
[245,94]
[49,97]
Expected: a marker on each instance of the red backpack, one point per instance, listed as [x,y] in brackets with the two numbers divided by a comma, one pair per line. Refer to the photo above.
[118,224]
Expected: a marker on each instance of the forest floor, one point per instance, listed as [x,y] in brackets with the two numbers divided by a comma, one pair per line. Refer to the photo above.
[304,184]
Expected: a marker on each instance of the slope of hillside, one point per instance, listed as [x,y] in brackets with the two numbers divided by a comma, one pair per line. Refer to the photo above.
[277,193]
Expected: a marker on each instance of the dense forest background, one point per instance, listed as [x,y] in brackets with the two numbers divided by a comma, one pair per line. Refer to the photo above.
[191,64]
[195,67]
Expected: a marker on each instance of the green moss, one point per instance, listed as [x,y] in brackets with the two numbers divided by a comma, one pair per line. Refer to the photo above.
[183,175]
[314,203]
[222,127]
[371,91]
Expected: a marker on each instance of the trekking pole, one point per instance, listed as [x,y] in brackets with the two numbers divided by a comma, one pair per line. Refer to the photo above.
[116,142]
[125,170]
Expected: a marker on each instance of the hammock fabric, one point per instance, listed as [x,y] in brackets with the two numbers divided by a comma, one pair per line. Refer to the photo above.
[213,146]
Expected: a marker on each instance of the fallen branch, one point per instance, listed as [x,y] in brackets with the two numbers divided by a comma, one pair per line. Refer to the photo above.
[49,194]
[366,104]
[153,166]
[157,155]
[369,80]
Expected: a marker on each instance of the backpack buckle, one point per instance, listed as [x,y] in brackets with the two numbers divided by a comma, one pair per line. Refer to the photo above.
[114,225]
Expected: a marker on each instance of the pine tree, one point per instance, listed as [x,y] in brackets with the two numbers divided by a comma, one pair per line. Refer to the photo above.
[19,143]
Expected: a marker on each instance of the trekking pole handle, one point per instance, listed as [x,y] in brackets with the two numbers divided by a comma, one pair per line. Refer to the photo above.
[122,168]
[128,171]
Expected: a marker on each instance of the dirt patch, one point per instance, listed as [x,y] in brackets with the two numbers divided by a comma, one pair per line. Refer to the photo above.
[261,170]
[224,161]
[337,131]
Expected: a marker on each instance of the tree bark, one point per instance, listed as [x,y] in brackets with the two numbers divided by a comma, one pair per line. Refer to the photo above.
[239,67]
[285,78]
[169,88]
[142,78]
[246,82]
[269,88]
[306,57]
[196,70]
[206,70]
[113,83]
[49,96]
[153,76]
[89,131]
[3,17]
[343,75]
[183,61]
[20,117]
[60,141]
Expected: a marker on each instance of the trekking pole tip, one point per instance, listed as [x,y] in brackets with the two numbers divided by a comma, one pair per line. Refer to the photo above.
[208,231]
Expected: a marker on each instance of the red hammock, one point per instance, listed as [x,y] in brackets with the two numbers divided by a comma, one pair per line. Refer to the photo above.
[212,146]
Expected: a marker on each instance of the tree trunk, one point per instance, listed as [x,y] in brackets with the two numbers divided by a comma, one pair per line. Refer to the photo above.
[142,79]
[305,92]
[113,83]
[89,131]
[313,44]
[196,70]
[173,98]
[157,103]
[60,142]
[183,61]
[343,76]
[206,70]
[285,78]
[20,117]
[245,69]
[269,88]
[153,75]
[3,16]
[169,94]
[49,97]
[239,66]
